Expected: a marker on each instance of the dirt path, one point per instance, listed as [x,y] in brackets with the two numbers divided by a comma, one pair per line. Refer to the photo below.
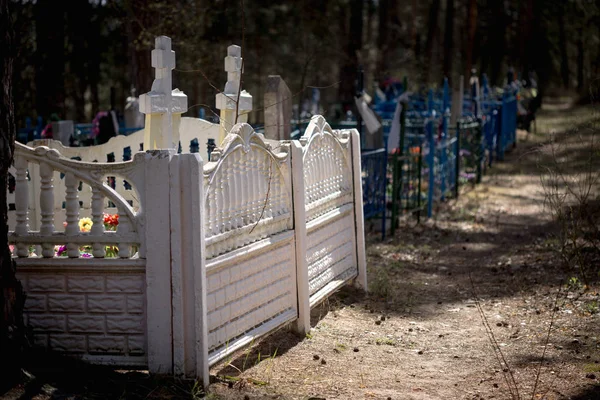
[419,333]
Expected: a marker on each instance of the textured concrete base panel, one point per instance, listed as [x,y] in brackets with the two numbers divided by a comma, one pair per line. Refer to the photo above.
[97,314]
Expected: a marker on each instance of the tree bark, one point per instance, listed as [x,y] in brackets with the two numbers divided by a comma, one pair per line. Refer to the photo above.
[353,46]
[449,39]
[50,57]
[382,37]
[580,63]
[497,42]
[432,32]
[11,291]
[564,58]
[471,30]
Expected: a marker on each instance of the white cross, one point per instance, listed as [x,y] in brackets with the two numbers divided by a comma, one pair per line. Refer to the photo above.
[163,60]
[162,99]
[233,67]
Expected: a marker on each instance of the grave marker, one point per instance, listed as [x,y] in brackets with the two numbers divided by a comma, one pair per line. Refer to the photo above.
[278,109]
[227,100]
[163,107]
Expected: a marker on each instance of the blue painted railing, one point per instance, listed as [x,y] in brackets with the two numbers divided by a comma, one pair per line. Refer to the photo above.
[374,183]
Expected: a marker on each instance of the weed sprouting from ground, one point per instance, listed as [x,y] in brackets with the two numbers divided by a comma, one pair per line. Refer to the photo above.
[571,184]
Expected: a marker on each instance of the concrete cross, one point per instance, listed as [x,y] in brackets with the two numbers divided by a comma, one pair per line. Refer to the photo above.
[226,101]
[163,107]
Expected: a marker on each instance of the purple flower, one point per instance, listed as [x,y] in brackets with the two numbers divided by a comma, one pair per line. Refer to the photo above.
[61,250]
[86,255]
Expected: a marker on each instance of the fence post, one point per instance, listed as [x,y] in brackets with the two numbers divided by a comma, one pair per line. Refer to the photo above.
[395,190]
[503,127]
[361,255]
[457,160]
[431,155]
[420,168]
[398,164]
[513,118]
[302,326]
[359,91]
[157,252]
[188,270]
[481,150]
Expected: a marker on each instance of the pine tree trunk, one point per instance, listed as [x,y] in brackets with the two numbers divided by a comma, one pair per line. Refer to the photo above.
[471,30]
[432,32]
[353,47]
[497,42]
[11,291]
[580,63]
[564,58]
[449,39]
[50,57]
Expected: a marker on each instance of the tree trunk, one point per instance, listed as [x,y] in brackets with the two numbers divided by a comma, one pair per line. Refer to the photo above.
[353,46]
[580,63]
[11,291]
[497,42]
[139,13]
[471,30]
[78,18]
[449,39]
[432,32]
[50,57]
[382,38]
[564,58]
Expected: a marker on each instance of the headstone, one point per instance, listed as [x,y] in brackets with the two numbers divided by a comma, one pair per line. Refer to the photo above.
[278,109]
[474,85]
[163,107]
[227,101]
[62,131]
[457,100]
[315,99]
[133,117]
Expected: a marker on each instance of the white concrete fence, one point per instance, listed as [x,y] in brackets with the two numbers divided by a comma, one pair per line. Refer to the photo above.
[210,255]
[206,256]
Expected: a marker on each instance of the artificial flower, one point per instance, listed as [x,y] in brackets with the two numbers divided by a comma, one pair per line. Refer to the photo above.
[60,250]
[85,224]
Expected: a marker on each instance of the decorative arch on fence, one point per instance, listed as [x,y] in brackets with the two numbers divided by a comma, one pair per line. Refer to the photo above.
[327,171]
[331,250]
[248,192]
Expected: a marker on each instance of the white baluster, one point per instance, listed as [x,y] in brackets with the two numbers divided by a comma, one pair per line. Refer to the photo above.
[47,207]
[98,249]
[237,195]
[22,204]
[123,229]
[252,197]
[271,189]
[72,211]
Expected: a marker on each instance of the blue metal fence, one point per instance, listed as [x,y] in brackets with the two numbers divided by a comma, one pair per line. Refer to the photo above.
[374,184]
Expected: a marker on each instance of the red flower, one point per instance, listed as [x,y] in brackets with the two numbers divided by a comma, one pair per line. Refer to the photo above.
[111,220]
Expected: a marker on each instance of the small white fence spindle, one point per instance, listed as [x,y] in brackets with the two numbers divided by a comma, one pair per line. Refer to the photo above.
[98,249]
[22,204]
[47,207]
[72,206]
